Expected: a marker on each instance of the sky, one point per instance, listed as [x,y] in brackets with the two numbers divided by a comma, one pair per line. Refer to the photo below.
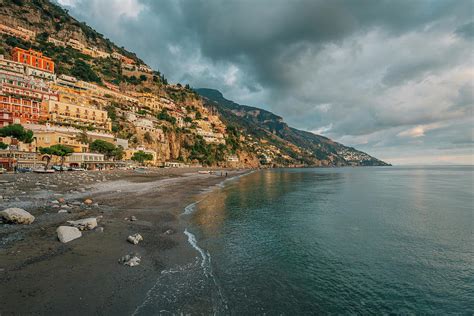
[392,78]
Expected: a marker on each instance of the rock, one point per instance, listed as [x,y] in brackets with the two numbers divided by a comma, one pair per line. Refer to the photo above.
[61,200]
[169,232]
[84,224]
[130,260]
[77,203]
[55,202]
[62,211]
[99,229]
[67,233]
[95,205]
[135,239]
[88,201]
[17,216]
[133,218]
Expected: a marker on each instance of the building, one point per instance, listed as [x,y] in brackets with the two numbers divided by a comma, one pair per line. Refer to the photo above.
[89,161]
[76,44]
[47,138]
[56,42]
[47,135]
[20,32]
[6,118]
[9,159]
[150,101]
[76,114]
[211,137]
[21,98]
[24,86]
[33,59]
[122,58]
[11,66]
[145,68]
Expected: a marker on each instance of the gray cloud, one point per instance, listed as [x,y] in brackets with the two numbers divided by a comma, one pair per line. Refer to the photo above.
[361,71]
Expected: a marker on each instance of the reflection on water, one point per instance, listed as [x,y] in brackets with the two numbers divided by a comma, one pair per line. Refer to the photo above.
[348,240]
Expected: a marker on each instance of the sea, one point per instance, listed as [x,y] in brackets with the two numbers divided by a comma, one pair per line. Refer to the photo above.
[369,240]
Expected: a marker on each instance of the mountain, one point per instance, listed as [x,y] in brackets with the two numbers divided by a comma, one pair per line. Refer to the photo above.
[175,122]
[308,148]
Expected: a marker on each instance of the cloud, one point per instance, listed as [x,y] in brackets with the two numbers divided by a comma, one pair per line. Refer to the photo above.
[376,74]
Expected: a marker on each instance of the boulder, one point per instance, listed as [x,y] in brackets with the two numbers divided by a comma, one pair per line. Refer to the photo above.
[130,260]
[135,239]
[133,218]
[67,233]
[62,211]
[61,200]
[84,224]
[87,201]
[17,216]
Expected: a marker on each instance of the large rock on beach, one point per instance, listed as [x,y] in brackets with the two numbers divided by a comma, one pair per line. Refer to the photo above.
[84,224]
[17,216]
[135,239]
[68,233]
[130,260]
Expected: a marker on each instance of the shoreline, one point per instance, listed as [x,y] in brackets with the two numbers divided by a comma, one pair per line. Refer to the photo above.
[51,277]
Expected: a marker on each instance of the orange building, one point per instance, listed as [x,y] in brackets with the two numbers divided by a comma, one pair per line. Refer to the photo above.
[19,109]
[33,58]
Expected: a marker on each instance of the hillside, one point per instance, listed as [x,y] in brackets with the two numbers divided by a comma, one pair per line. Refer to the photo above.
[143,111]
[313,149]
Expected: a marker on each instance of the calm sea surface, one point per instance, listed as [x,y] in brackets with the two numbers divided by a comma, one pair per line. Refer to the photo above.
[339,241]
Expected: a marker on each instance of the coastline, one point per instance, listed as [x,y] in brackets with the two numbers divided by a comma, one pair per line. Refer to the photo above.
[41,275]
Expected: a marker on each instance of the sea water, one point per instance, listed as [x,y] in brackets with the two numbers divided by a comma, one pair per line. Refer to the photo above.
[333,241]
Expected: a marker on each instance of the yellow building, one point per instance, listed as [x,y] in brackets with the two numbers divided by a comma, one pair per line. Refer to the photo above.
[76,114]
[151,101]
[50,138]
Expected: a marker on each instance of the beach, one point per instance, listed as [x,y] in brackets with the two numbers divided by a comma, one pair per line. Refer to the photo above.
[40,275]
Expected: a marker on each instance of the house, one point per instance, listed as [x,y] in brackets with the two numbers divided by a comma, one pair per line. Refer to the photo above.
[33,59]
[56,42]
[75,44]
[20,32]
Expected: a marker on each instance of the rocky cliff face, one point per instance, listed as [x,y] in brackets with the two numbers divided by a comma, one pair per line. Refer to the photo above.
[304,147]
[249,136]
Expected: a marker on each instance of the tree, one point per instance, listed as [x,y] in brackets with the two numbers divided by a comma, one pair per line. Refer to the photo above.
[83,137]
[163,115]
[141,156]
[56,150]
[18,132]
[83,71]
[3,145]
[198,115]
[101,146]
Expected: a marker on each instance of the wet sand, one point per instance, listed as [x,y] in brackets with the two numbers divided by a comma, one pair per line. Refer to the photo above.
[40,275]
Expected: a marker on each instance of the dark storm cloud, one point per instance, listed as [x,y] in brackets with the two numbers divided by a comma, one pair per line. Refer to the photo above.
[375,74]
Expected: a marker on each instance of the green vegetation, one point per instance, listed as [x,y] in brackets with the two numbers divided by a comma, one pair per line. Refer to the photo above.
[83,71]
[141,156]
[56,150]
[18,132]
[3,145]
[109,150]
[164,116]
[207,154]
